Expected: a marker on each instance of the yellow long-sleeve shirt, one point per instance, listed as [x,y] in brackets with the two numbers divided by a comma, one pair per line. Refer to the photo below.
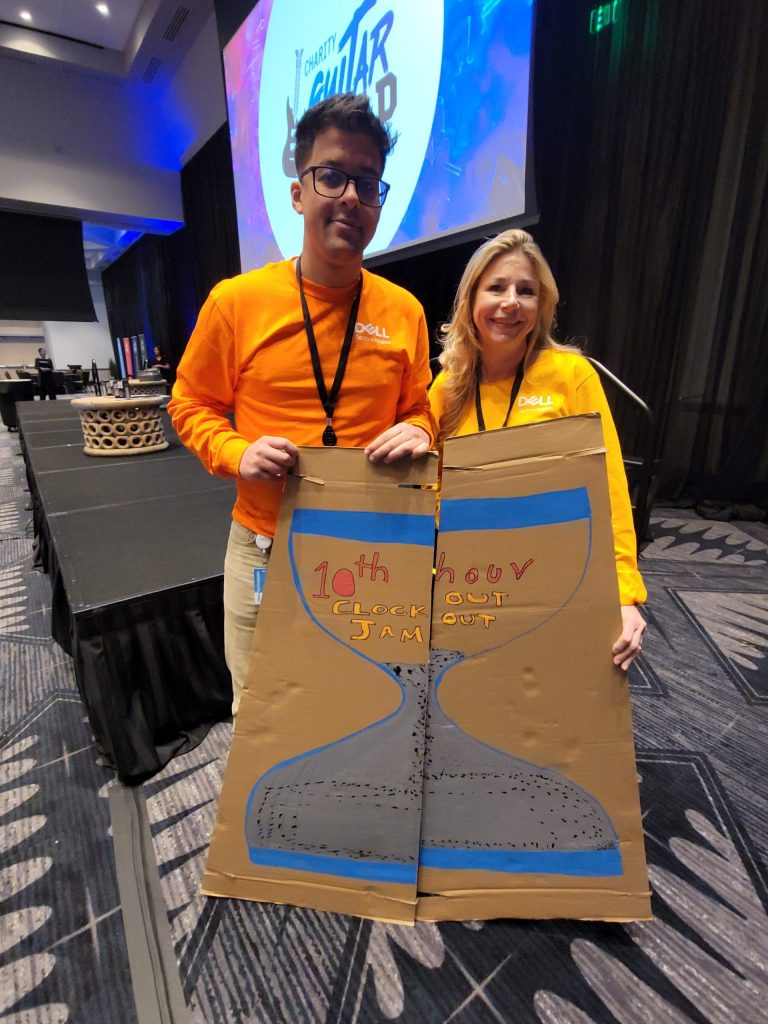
[559,384]
[249,355]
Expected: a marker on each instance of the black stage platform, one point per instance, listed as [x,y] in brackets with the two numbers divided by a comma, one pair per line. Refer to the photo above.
[135,549]
[55,436]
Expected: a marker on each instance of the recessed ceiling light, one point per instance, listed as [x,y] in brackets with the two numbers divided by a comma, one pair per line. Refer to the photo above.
[25,16]
[102,9]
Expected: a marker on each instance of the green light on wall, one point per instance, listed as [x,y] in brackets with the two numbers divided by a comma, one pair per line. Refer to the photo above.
[603,16]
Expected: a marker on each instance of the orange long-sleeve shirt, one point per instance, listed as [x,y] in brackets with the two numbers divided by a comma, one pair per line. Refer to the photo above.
[563,384]
[249,355]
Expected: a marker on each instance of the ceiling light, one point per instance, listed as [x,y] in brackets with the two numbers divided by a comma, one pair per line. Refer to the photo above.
[25,16]
[103,9]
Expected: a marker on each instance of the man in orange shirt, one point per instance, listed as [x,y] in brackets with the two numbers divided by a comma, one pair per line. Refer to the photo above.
[308,351]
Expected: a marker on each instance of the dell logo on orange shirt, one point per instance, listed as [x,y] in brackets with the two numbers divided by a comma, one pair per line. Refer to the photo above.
[372,331]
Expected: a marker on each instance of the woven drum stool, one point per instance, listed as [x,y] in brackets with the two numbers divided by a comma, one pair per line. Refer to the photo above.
[140,388]
[121,426]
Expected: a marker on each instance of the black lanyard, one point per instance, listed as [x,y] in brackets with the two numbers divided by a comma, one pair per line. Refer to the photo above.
[516,385]
[329,400]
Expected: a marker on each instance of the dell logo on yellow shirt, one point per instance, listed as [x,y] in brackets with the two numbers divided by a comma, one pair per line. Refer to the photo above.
[534,400]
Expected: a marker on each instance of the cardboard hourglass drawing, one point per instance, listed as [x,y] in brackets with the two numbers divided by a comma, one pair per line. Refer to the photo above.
[411,752]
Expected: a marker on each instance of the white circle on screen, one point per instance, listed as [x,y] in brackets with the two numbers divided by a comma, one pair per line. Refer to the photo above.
[396,53]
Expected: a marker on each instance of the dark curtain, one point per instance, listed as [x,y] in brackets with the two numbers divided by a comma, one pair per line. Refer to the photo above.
[210,232]
[652,154]
[42,269]
[230,14]
[140,295]
[158,286]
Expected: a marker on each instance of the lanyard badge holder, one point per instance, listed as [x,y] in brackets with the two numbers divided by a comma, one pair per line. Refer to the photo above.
[328,399]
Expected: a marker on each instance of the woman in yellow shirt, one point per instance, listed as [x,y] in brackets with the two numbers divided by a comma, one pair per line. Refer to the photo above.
[501,367]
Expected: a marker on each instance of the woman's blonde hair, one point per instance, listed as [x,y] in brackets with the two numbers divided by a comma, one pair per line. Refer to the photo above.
[461,345]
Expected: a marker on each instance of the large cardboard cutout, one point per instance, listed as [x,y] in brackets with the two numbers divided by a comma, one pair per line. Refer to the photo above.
[496,778]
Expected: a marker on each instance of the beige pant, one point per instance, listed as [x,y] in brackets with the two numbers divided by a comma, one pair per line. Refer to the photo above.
[240,607]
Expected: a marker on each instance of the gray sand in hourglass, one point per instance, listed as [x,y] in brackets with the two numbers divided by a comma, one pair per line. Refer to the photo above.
[346,801]
[480,803]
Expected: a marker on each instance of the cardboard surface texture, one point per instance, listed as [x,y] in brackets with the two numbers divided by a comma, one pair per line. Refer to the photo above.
[465,754]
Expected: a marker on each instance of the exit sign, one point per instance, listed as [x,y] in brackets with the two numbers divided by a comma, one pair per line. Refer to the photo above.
[603,16]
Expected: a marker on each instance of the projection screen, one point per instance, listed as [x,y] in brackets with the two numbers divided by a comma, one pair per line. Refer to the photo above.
[451,77]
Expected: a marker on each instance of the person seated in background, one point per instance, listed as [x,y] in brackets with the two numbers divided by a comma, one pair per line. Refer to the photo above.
[44,367]
[499,353]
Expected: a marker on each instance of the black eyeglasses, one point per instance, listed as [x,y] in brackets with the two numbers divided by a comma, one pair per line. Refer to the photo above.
[332,183]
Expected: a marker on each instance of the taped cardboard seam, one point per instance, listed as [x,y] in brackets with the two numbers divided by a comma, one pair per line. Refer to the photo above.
[368,485]
[501,463]
[548,893]
[586,906]
[300,883]
[371,904]
[342,466]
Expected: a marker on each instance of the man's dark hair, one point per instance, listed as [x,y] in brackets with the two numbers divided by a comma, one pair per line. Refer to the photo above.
[347,111]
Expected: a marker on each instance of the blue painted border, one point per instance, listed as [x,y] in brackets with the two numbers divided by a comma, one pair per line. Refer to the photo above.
[346,867]
[379,527]
[578,863]
[544,509]
[575,863]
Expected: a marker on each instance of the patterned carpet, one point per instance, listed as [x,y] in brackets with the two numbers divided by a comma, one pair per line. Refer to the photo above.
[700,700]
